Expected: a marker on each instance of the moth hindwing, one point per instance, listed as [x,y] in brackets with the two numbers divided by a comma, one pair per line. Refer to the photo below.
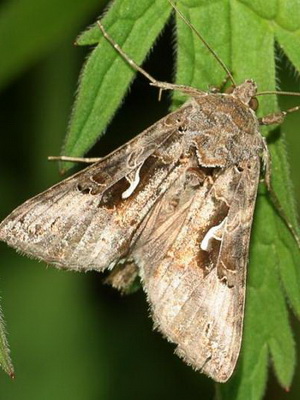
[174,206]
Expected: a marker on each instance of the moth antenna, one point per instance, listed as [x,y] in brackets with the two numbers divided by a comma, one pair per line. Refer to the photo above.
[278,93]
[210,49]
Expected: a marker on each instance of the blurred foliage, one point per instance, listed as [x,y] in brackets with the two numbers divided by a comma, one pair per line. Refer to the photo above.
[72,337]
[29,29]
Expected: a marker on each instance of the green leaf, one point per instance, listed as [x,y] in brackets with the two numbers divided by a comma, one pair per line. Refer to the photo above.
[5,361]
[243,33]
[29,29]
[106,76]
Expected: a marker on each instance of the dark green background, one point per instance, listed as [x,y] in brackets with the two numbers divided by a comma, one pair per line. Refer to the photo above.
[72,337]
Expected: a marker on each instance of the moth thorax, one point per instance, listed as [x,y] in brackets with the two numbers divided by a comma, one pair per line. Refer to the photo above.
[246,91]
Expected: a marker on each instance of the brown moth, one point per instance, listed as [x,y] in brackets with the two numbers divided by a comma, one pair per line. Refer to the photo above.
[173,206]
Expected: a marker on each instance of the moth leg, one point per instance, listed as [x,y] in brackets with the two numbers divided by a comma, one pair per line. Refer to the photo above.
[129,60]
[153,82]
[281,212]
[267,162]
[267,165]
[277,118]
[181,88]
[221,87]
[88,160]
[123,276]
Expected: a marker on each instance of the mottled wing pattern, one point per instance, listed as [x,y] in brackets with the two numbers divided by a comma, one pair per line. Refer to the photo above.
[192,254]
[87,221]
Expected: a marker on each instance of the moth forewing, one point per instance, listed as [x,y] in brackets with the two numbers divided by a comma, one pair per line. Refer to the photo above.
[87,221]
[197,296]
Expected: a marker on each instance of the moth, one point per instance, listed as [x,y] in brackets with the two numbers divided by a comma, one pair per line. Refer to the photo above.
[174,207]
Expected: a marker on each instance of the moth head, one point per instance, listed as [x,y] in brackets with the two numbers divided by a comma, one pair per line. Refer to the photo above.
[246,93]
